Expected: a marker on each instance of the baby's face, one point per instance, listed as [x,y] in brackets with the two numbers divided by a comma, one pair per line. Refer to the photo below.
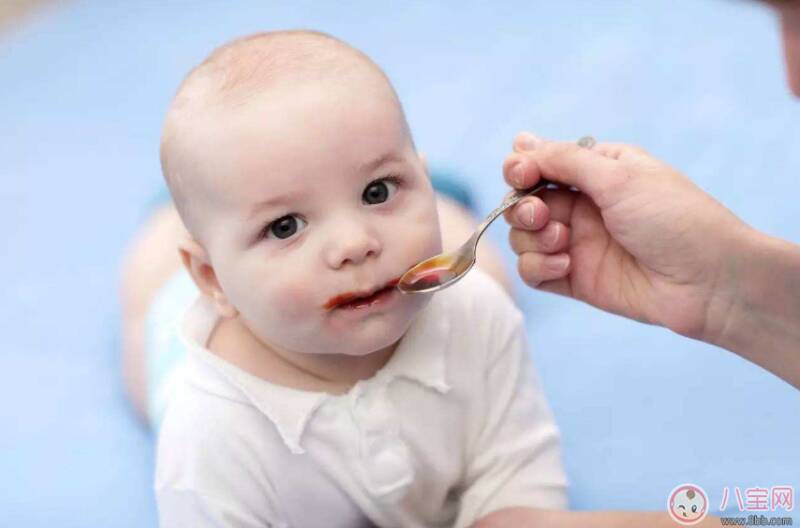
[317,194]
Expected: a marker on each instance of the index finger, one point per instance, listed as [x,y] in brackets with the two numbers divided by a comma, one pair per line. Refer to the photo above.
[568,164]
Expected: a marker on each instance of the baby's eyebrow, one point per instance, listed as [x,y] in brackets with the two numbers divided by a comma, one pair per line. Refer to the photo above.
[270,202]
[370,166]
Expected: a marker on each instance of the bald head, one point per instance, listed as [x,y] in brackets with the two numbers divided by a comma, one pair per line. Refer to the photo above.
[252,67]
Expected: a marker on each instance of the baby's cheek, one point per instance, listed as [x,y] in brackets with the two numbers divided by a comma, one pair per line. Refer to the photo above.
[423,239]
[295,297]
[420,230]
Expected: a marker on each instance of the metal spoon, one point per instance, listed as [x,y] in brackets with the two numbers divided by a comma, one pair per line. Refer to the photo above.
[445,269]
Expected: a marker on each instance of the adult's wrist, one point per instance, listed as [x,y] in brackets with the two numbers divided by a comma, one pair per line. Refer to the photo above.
[736,259]
[755,310]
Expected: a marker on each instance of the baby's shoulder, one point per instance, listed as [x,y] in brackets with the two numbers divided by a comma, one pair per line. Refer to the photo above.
[481,318]
[216,450]
[479,302]
[203,424]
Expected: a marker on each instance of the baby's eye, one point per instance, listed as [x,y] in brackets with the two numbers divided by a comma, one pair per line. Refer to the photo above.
[694,508]
[380,190]
[284,227]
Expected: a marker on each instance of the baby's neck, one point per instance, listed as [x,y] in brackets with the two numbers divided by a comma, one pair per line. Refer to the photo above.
[331,373]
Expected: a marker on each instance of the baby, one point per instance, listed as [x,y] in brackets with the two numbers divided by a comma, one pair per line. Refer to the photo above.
[314,393]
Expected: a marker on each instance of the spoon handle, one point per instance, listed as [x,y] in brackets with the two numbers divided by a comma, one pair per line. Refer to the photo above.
[508,202]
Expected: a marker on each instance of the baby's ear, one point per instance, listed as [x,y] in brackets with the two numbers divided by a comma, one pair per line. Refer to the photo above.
[198,265]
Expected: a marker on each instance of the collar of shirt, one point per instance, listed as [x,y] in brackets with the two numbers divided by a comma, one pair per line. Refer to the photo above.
[421,356]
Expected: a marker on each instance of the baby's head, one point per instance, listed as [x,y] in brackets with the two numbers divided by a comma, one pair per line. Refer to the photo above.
[292,166]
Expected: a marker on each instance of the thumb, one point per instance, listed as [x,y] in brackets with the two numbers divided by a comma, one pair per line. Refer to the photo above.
[592,171]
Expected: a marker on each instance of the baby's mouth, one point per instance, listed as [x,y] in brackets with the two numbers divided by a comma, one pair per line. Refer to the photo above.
[353,300]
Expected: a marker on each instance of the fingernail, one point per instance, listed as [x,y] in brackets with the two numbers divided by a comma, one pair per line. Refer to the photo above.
[527,141]
[517,175]
[557,263]
[525,214]
[552,236]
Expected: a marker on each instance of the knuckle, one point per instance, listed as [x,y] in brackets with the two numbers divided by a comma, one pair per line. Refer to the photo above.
[565,147]
[638,150]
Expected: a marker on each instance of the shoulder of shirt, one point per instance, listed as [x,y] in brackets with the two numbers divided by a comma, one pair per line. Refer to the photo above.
[478,298]
[212,450]
[201,432]
[482,319]
[196,413]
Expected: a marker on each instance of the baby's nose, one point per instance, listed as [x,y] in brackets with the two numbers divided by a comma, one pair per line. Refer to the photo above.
[352,245]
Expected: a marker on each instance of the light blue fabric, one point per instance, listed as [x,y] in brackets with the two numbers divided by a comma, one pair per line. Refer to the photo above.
[84,88]
[163,348]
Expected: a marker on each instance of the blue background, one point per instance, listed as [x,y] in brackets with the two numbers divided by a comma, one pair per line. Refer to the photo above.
[83,89]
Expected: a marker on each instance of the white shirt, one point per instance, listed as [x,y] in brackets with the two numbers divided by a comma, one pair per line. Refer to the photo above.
[452,428]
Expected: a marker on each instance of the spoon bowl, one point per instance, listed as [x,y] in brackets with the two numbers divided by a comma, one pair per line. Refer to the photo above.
[440,271]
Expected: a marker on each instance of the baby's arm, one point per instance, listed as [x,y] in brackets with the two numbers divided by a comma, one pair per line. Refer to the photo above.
[534,518]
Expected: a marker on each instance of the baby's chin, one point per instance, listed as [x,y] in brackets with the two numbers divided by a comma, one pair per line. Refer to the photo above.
[375,333]
[365,341]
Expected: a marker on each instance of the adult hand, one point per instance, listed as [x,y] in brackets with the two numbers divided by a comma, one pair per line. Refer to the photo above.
[638,239]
